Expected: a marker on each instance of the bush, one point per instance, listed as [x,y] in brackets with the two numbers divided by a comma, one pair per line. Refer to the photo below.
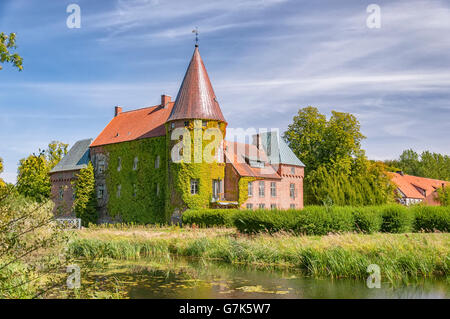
[431,218]
[396,219]
[367,219]
[319,220]
[271,221]
[209,217]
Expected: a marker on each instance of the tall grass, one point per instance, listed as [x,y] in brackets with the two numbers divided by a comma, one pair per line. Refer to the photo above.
[400,256]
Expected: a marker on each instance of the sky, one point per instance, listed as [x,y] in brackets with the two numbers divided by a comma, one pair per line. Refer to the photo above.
[266,60]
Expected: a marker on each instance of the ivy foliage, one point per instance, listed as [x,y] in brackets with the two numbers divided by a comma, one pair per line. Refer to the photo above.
[85,203]
[137,191]
[181,174]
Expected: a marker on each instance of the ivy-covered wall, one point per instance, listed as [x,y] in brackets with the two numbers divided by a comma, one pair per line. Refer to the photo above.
[140,200]
[180,174]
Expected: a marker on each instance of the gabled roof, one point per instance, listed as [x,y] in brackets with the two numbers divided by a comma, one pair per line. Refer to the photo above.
[77,157]
[276,149]
[408,185]
[237,153]
[196,98]
[134,125]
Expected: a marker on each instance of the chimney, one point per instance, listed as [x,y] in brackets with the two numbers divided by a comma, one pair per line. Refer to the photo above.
[165,99]
[117,110]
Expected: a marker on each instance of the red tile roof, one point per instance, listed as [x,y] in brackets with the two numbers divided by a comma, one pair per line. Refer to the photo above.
[235,153]
[134,125]
[196,98]
[408,184]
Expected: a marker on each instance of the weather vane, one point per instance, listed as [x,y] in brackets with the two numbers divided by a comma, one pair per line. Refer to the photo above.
[196,35]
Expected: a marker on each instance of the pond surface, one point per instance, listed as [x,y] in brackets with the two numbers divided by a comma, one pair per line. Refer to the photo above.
[202,280]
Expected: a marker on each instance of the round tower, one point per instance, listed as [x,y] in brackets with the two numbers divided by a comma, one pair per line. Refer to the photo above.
[195,131]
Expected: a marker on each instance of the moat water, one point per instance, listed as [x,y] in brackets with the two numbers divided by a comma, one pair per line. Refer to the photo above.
[199,279]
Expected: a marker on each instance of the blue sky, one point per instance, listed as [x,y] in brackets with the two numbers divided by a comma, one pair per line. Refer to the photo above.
[266,59]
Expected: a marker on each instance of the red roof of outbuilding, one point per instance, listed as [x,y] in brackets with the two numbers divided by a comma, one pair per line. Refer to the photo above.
[196,98]
[408,184]
[134,125]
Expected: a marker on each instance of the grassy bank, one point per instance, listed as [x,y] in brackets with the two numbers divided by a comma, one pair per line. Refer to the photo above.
[400,256]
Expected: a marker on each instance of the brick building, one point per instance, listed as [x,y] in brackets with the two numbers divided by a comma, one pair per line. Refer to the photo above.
[140,177]
[64,173]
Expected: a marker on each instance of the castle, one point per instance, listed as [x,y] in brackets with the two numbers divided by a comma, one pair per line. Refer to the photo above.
[153,163]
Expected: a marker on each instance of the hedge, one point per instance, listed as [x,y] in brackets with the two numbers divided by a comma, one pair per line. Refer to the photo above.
[431,218]
[321,220]
[209,217]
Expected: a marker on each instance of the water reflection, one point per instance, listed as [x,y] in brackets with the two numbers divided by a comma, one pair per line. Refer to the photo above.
[199,279]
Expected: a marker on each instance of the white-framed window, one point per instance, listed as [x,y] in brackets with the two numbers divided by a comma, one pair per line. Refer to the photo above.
[194,186]
[249,206]
[157,160]
[250,189]
[273,206]
[292,190]
[119,190]
[119,164]
[261,189]
[100,191]
[216,189]
[273,189]
[135,163]
[172,125]
[101,166]
[261,206]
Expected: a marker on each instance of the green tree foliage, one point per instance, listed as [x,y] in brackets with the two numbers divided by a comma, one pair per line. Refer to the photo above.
[2,183]
[33,178]
[444,196]
[427,164]
[31,248]
[7,46]
[337,170]
[85,204]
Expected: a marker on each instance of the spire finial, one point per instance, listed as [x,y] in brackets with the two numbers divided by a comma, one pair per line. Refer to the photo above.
[196,36]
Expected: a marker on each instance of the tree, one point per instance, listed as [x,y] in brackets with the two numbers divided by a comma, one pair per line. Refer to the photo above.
[444,195]
[85,204]
[2,183]
[33,179]
[427,164]
[7,45]
[337,170]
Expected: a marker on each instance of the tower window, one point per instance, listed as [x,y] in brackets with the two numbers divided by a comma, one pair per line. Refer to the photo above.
[293,170]
[194,186]
[119,164]
[157,161]
[186,123]
[135,163]
[204,123]
[101,166]
[119,190]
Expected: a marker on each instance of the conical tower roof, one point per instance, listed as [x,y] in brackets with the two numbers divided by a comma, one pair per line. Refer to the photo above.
[196,98]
